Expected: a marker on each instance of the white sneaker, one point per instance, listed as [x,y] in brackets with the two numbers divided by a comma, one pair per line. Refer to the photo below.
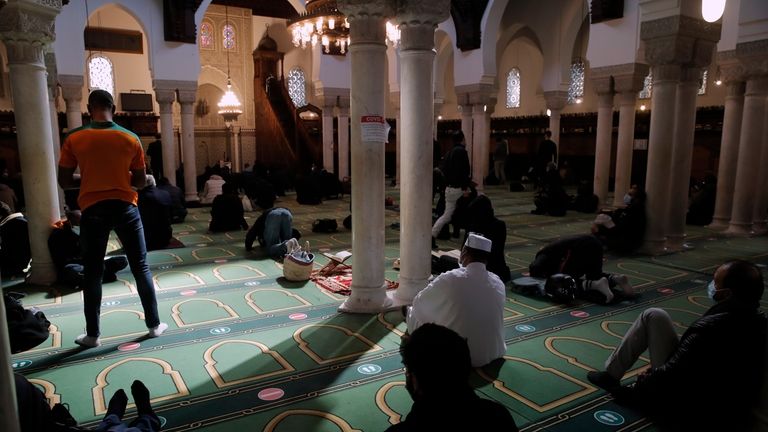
[88,341]
[157,331]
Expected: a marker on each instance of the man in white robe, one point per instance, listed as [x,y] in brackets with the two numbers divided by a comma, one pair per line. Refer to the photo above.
[468,300]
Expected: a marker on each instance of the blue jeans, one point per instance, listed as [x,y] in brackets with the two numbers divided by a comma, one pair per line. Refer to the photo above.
[277,229]
[143,423]
[96,223]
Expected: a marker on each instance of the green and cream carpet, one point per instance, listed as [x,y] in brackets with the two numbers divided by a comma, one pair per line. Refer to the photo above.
[247,350]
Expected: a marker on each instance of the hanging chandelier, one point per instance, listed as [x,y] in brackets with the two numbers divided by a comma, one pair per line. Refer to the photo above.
[229,105]
[324,23]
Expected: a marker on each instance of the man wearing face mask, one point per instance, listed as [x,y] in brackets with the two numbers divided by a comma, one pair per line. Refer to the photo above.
[468,300]
[437,368]
[715,368]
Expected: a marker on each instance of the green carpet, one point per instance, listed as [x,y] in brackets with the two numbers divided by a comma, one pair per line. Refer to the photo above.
[247,350]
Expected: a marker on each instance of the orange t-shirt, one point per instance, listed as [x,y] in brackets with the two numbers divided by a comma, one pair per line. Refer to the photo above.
[106,153]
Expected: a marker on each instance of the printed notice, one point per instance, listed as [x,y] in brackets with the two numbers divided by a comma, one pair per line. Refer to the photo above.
[373,128]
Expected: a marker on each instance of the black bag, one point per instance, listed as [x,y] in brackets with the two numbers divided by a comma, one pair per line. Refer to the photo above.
[561,288]
[324,225]
[27,328]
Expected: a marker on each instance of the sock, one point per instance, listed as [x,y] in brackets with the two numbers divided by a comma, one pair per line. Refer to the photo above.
[140,395]
[601,286]
[117,404]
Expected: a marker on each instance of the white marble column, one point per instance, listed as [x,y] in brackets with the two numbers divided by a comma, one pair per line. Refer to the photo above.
[394,99]
[627,85]
[556,101]
[729,153]
[367,53]
[237,151]
[678,180]
[53,92]
[165,97]
[343,131]
[186,97]
[72,92]
[467,127]
[761,199]
[328,106]
[417,57]
[26,27]
[480,141]
[604,137]
[748,165]
[664,96]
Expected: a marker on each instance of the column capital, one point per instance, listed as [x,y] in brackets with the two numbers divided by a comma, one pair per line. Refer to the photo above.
[556,99]
[71,87]
[603,84]
[26,26]
[753,57]
[473,94]
[186,92]
[418,20]
[367,20]
[165,96]
[679,39]
[626,77]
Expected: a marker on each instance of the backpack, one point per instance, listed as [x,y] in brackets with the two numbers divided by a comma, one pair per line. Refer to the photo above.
[27,328]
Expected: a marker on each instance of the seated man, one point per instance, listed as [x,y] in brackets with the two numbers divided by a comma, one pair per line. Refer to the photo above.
[469,300]
[64,246]
[15,252]
[581,256]
[437,368]
[155,211]
[213,187]
[274,232]
[178,208]
[227,211]
[710,378]
[623,229]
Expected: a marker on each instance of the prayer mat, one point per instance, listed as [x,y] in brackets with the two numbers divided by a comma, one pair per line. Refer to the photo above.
[340,281]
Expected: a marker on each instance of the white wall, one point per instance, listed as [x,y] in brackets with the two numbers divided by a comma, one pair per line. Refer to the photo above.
[615,42]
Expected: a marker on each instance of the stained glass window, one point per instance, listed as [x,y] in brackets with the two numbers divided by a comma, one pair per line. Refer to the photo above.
[576,89]
[100,74]
[297,87]
[207,38]
[703,87]
[513,88]
[228,34]
[647,90]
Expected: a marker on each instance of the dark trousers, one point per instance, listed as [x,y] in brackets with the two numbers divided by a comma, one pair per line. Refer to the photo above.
[97,222]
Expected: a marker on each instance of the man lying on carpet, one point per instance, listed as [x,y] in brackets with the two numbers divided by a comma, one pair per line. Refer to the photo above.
[581,256]
[274,231]
[710,378]
[64,245]
[437,367]
[468,300]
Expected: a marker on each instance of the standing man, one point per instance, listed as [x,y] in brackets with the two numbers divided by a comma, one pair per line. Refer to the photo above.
[500,159]
[546,153]
[455,168]
[468,300]
[111,162]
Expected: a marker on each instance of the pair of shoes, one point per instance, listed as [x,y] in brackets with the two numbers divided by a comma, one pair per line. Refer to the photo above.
[604,380]
[622,281]
[88,341]
[434,243]
[157,330]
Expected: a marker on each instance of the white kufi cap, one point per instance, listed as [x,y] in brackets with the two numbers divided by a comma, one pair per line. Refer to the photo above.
[477,241]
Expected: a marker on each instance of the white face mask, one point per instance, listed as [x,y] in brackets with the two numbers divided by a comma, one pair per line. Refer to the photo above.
[627,199]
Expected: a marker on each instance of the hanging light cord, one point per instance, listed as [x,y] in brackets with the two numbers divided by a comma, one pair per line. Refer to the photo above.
[226,22]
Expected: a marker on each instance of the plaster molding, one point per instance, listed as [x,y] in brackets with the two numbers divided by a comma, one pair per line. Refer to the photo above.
[26,27]
[680,25]
[753,57]
[603,84]
[556,99]
[665,72]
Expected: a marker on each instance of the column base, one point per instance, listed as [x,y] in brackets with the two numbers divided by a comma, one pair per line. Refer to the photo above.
[719,224]
[367,300]
[675,244]
[739,229]
[654,247]
[192,203]
[759,228]
[407,291]
[42,274]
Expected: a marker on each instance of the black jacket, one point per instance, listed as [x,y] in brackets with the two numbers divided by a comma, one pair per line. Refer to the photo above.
[577,256]
[178,207]
[464,412]
[713,378]
[227,214]
[455,167]
[155,210]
